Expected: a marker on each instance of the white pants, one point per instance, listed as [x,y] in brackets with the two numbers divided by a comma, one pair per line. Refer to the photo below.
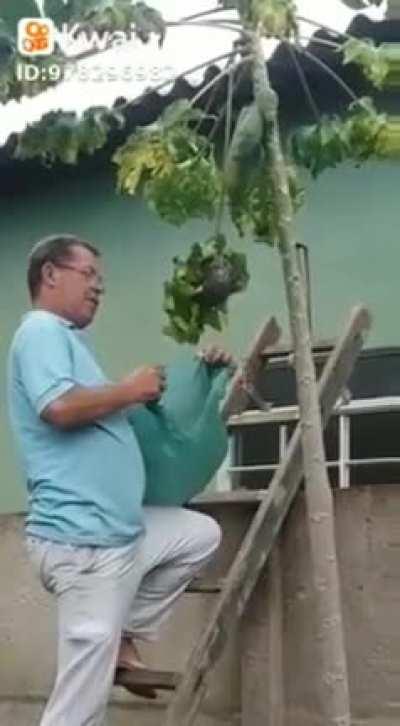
[105,592]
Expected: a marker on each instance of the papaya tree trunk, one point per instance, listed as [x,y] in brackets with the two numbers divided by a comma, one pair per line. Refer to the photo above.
[333,687]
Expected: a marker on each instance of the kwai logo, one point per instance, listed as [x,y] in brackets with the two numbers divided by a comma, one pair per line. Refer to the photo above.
[38,36]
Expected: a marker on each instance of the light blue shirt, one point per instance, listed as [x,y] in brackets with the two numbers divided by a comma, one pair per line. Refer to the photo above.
[85,484]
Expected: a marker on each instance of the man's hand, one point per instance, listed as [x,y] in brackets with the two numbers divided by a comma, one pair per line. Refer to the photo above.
[81,406]
[146,383]
[213,355]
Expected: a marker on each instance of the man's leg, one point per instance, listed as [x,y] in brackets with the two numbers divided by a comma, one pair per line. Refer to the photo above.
[94,589]
[178,543]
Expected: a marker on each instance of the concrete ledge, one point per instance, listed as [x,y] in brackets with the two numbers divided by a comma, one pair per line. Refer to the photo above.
[368,539]
[27,713]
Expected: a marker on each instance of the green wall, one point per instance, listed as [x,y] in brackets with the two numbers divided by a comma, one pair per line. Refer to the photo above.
[351,223]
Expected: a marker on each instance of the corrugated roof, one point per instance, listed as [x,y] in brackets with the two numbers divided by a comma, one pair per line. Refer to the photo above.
[182,49]
[284,77]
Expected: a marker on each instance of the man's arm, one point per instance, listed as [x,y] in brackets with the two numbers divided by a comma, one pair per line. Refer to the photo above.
[44,363]
[80,406]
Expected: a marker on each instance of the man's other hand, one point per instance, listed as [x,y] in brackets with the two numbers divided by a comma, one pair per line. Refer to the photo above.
[213,355]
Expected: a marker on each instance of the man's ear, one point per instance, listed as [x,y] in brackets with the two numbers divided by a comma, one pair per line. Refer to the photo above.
[49,274]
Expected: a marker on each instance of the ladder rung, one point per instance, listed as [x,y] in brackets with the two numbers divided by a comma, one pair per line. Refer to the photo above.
[235,496]
[205,585]
[163,680]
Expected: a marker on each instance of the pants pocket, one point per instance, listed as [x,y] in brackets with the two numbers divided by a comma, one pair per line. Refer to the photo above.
[57,565]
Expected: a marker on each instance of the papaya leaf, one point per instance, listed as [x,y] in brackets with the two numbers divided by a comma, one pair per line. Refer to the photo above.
[172,165]
[195,298]
[7,60]
[180,111]
[277,18]
[63,136]
[354,137]
[11,11]
[147,20]
[369,57]
[212,318]
[108,16]
[361,4]
[7,45]
[60,11]
[389,139]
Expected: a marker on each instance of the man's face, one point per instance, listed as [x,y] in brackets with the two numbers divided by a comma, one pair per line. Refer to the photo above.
[78,286]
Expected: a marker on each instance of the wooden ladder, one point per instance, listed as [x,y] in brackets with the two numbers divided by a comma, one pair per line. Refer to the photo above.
[233,593]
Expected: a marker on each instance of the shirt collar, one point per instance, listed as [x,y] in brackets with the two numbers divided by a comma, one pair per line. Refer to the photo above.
[63,321]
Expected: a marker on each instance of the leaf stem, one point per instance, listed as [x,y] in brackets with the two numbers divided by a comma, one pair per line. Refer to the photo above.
[193,69]
[221,74]
[322,26]
[303,80]
[222,107]
[321,41]
[329,72]
[207,24]
[204,13]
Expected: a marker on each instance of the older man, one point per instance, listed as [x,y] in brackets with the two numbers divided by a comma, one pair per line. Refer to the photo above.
[114,568]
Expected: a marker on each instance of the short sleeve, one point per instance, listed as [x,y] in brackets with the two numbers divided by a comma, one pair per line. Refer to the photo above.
[44,363]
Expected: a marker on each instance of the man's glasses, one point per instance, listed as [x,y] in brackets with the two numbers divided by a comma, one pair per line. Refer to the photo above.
[89,273]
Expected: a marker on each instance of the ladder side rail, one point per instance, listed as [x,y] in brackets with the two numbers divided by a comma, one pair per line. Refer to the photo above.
[237,398]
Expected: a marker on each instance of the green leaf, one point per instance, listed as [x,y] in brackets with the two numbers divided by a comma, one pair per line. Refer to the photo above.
[147,20]
[190,301]
[60,11]
[173,166]
[62,136]
[7,47]
[179,112]
[355,137]
[277,18]
[11,11]
[371,59]
[361,4]
[108,15]
[212,318]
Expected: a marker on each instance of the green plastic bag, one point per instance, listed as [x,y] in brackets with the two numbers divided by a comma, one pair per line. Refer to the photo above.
[182,438]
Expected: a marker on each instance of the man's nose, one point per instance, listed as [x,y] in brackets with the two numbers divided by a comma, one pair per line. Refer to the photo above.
[98,286]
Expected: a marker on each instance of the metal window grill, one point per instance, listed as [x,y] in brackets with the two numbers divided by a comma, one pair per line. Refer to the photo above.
[362,443]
